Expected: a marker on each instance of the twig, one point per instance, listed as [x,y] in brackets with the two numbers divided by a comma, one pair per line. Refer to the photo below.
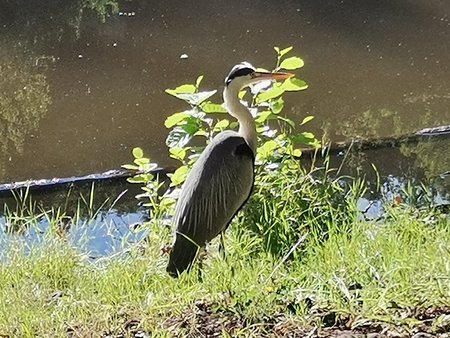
[295,246]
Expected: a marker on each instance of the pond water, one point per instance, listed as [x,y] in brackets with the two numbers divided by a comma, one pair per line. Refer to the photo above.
[107,234]
[79,90]
[100,218]
[82,84]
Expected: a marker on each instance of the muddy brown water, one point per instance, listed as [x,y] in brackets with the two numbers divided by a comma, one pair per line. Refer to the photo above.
[79,92]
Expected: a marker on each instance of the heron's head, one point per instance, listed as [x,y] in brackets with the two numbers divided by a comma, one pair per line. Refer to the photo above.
[244,74]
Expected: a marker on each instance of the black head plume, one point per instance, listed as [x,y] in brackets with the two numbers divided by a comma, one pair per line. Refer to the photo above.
[241,69]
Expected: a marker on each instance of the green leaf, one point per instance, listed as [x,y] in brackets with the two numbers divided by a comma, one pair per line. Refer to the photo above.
[307,119]
[147,177]
[261,129]
[263,116]
[293,62]
[136,179]
[308,135]
[296,153]
[196,98]
[167,202]
[242,94]
[305,138]
[270,146]
[277,49]
[183,89]
[178,153]
[201,132]
[285,51]
[277,105]
[267,148]
[130,167]
[198,81]
[270,94]
[175,119]
[222,124]
[142,161]
[209,107]
[138,152]
[191,127]
[292,85]
[178,138]
[179,176]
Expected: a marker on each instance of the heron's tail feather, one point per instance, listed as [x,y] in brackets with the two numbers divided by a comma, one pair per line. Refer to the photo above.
[182,255]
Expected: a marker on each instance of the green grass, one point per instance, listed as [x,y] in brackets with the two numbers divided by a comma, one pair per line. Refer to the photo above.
[371,273]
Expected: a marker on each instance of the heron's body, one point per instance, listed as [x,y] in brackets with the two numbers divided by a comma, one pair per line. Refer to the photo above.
[203,212]
[221,180]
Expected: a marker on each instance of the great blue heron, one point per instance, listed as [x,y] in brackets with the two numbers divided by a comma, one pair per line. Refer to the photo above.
[221,180]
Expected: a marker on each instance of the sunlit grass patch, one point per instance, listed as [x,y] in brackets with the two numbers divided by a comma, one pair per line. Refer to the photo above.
[370,273]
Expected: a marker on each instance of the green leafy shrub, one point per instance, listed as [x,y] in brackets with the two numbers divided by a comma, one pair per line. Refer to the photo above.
[290,202]
[159,205]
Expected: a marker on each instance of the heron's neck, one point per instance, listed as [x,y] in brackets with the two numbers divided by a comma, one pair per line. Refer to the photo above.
[247,126]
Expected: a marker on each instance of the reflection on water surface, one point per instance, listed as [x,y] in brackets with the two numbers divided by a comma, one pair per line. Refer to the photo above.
[88,80]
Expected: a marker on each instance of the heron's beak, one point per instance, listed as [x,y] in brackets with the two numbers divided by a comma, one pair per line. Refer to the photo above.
[272,76]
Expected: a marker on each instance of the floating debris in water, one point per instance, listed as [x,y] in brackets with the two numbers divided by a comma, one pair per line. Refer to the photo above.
[127,13]
[184,56]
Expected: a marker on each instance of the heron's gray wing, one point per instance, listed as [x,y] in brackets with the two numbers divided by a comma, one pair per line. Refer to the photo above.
[216,188]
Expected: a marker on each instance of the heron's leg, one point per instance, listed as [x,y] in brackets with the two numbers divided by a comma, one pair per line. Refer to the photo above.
[201,255]
[223,252]
[222,246]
